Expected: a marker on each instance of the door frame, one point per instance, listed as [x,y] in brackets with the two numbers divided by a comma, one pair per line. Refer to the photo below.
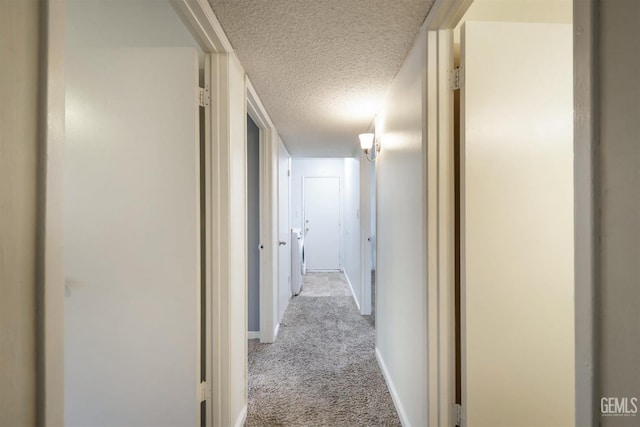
[280,178]
[304,216]
[50,266]
[366,257]
[207,31]
[439,177]
[268,154]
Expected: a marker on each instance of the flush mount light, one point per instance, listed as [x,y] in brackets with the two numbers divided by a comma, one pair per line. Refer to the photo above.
[367,142]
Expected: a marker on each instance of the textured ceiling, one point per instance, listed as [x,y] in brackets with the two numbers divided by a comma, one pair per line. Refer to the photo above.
[321,67]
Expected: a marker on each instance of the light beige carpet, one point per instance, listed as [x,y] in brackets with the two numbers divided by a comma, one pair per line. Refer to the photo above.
[325,284]
[322,370]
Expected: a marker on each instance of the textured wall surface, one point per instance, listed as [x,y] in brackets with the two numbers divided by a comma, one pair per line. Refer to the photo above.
[619,204]
[18,210]
[322,68]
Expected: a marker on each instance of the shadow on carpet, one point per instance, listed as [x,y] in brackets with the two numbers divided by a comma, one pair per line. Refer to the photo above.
[322,371]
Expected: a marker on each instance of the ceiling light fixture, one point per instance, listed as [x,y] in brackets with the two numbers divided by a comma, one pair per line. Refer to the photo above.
[367,142]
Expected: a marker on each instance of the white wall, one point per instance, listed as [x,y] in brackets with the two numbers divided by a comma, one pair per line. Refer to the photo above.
[617,62]
[550,11]
[19,32]
[401,285]
[91,23]
[351,226]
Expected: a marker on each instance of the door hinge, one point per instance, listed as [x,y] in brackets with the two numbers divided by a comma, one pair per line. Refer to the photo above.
[205,99]
[455,79]
[288,172]
[204,391]
[457,414]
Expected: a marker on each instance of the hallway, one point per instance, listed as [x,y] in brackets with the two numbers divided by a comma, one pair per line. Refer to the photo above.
[322,370]
[485,158]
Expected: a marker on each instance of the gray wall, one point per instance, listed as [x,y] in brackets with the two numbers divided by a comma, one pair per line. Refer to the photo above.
[19,32]
[253,223]
[619,193]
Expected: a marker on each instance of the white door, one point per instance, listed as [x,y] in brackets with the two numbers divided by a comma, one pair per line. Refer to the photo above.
[517,224]
[284,232]
[322,223]
[132,311]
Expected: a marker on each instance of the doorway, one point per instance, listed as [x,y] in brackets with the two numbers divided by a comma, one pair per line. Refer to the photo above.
[322,223]
[135,278]
[372,242]
[513,218]
[253,228]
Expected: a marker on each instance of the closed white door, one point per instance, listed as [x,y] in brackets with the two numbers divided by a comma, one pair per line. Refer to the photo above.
[132,251]
[322,223]
[284,232]
[517,224]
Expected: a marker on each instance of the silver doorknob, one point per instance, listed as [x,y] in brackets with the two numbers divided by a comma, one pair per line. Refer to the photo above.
[282,243]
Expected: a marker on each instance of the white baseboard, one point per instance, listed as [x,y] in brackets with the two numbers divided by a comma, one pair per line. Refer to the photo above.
[253,335]
[242,417]
[351,287]
[392,390]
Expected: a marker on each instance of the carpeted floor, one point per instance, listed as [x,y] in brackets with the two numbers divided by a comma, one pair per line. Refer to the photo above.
[322,370]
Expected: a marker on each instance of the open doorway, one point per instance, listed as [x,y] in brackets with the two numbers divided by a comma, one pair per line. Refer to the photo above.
[372,244]
[136,290]
[325,208]
[261,171]
[253,228]
[368,238]
[513,186]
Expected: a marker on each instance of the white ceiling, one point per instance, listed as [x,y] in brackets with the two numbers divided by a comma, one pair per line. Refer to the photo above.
[321,67]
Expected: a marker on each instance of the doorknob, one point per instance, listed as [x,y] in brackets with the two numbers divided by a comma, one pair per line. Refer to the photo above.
[282,243]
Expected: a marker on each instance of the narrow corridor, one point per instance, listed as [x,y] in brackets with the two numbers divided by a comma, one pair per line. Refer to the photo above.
[322,370]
